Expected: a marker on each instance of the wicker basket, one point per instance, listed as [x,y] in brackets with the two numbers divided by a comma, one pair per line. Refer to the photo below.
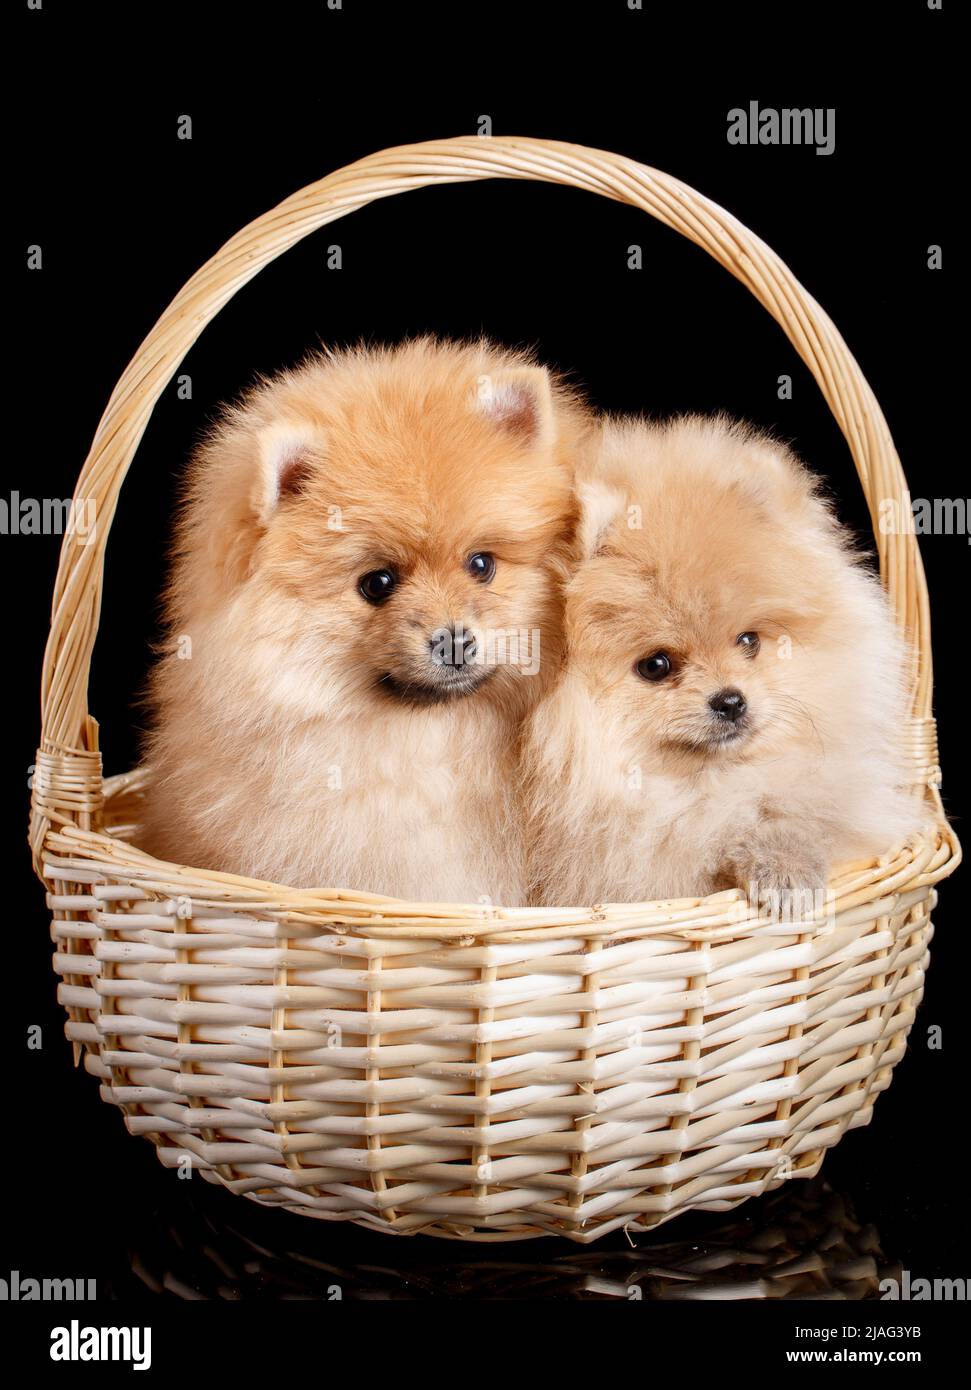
[466,1071]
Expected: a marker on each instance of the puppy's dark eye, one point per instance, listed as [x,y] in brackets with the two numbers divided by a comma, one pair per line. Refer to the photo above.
[749,642]
[377,585]
[481,566]
[654,668]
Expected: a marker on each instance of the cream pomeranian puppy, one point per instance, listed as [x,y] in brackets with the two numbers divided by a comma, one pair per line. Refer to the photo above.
[362,610]
[729,709]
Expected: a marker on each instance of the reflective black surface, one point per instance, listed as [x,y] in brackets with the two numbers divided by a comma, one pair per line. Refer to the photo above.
[803,1242]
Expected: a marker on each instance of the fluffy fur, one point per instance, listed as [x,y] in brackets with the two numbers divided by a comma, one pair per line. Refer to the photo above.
[692,534]
[312,738]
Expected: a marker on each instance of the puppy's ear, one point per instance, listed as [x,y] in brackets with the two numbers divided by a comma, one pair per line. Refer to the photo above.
[286,452]
[519,400]
[771,474]
[601,506]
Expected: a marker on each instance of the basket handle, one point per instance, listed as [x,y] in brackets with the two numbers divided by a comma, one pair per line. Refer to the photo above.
[67,784]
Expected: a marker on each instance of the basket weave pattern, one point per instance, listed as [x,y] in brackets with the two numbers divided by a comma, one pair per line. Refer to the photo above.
[456,1069]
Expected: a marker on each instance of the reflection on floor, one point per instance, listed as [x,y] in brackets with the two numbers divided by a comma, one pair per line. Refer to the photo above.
[802,1242]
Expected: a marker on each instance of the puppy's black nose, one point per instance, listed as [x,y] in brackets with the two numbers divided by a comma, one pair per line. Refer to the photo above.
[728,704]
[452,647]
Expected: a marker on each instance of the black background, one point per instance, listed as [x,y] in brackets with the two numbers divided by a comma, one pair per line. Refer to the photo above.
[125,213]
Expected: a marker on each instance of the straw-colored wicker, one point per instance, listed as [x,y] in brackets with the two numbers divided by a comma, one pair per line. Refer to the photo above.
[451,1068]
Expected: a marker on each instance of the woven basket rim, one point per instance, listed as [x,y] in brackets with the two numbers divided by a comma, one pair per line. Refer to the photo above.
[919,861]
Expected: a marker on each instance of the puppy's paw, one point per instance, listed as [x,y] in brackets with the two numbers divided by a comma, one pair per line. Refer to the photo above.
[787,888]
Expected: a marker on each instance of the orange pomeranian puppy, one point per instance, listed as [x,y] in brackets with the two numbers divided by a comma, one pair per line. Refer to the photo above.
[733,694]
[363,608]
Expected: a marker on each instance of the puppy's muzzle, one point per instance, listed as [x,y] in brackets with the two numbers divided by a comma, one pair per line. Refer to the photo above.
[452,648]
[452,669]
[728,704]
[729,710]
